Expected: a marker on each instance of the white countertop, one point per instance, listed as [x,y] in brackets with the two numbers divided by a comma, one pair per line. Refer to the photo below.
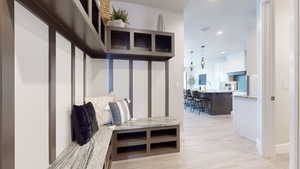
[245,96]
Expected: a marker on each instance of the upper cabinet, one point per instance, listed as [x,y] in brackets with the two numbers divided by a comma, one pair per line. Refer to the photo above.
[81,23]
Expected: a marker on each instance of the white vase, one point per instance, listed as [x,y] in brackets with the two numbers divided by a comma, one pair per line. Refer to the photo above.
[160,23]
[117,23]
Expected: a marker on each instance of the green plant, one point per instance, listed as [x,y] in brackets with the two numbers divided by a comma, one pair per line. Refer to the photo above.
[119,14]
[192,81]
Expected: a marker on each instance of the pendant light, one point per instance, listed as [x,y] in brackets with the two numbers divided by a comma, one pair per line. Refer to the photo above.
[192,64]
[203,57]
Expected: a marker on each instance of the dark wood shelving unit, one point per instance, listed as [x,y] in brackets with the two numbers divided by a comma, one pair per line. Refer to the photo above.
[80,22]
[139,44]
[85,5]
[96,19]
[73,19]
[145,142]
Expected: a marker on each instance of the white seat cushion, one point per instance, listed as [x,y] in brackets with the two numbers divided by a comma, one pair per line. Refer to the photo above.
[100,104]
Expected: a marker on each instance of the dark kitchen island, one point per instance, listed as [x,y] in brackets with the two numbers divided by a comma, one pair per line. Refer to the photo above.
[220,101]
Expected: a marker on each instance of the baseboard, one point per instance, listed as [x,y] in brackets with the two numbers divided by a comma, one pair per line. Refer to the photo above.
[282,148]
[259,146]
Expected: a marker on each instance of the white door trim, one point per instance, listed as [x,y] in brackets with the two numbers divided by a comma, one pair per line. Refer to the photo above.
[266,63]
[294,85]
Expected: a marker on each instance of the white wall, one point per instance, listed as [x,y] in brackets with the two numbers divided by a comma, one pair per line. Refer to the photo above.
[251,57]
[282,71]
[235,62]
[121,78]
[97,77]
[79,76]
[31,91]
[158,89]
[63,93]
[140,89]
[174,22]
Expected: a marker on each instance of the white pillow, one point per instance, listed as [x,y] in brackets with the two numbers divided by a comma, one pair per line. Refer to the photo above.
[100,104]
[124,110]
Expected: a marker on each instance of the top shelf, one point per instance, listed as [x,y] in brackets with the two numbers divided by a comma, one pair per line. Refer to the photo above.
[75,19]
[81,23]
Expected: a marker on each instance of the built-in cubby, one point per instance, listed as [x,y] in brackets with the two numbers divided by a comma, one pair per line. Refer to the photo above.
[163,147]
[163,43]
[143,41]
[145,142]
[132,151]
[95,16]
[139,44]
[164,132]
[85,5]
[120,40]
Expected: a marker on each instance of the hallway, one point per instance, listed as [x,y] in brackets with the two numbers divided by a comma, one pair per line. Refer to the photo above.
[208,142]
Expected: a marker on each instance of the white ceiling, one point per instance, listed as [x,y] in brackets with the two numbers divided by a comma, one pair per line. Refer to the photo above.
[235,18]
[173,5]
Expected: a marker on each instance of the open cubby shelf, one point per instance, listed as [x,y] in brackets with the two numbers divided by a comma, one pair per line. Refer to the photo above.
[132,149]
[131,139]
[85,5]
[164,132]
[163,43]
[120,40]
[163,147]
[95,16]
[145,142]
[142,41]
[149,45]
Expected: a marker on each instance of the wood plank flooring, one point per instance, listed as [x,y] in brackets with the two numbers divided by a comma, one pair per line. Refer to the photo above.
[208,142]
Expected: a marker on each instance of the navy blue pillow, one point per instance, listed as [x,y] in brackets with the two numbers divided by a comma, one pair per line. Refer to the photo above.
[89,108]
[81,125]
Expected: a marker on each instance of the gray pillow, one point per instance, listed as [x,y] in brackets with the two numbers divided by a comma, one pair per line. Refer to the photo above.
[116,114]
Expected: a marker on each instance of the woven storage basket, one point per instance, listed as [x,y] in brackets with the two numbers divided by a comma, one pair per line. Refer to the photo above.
[105,10]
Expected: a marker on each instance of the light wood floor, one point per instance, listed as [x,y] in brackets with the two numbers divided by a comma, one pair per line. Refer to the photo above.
[208,143]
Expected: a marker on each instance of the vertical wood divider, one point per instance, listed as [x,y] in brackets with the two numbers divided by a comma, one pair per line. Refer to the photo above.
[131,87]
[167,88]
[149,89]
[72,75]
[52,94]
[7,84]
[110,75]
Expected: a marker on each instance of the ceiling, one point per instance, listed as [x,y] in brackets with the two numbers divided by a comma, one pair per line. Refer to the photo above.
[204,18]
[177,5]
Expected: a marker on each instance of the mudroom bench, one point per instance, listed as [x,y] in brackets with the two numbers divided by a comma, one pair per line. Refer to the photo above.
[133,139]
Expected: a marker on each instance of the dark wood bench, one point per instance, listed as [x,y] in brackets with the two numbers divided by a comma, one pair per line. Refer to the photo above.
[133,139]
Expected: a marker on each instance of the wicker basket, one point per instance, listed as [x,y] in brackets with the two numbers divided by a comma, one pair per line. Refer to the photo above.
[105,10]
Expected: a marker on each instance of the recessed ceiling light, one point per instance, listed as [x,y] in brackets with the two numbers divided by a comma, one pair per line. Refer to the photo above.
[220,33]
[222,52]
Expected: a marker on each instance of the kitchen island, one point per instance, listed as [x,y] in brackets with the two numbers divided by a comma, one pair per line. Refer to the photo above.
[220,101]
[245,116]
